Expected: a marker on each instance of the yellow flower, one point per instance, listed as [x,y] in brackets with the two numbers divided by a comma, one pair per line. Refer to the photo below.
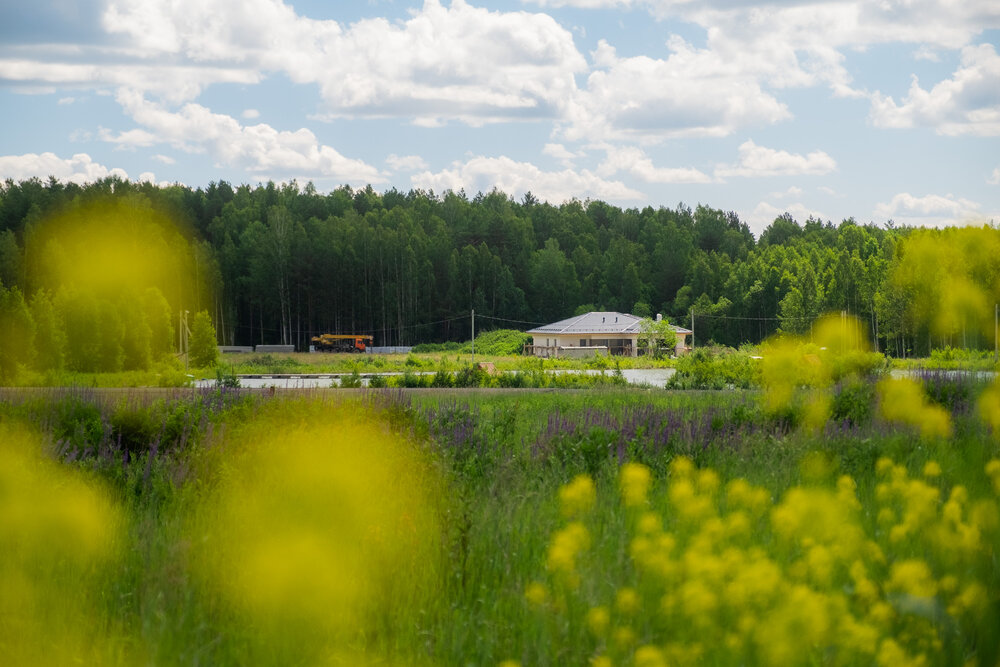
[627,601]
[903,400]
[578,497]
[932,470]
[624,637]
[634,480]
[649,656]
[536,593]
[598,619]
[565,547]
[650,523]
[912,577]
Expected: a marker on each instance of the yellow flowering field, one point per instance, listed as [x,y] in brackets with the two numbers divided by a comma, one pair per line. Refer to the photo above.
[693,569]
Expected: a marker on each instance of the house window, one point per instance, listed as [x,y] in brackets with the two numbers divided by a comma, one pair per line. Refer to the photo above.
[583,342]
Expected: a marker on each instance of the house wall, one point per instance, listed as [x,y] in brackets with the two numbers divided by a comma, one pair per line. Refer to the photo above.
[547,346]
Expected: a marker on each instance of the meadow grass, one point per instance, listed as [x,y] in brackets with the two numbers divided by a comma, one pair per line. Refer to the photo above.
[491,526]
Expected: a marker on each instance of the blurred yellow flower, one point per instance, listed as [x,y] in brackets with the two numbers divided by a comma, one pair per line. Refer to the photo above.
[578,497]
[634,480]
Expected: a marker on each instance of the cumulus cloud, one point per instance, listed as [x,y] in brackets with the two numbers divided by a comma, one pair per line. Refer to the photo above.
[994,178]
[693,93]
[482,174]
[259,149]
[930,210]
[561,153]
[78,169]
[634,161]
[760,161]
[967,103]
[456,62]
[406,162]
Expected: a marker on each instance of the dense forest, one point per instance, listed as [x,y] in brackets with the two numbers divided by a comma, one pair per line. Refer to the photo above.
[282,263]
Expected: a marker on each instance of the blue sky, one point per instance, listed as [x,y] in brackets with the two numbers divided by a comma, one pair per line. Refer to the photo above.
[831,108]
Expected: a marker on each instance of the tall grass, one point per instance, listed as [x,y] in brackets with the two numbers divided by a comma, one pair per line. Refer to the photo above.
[451,528]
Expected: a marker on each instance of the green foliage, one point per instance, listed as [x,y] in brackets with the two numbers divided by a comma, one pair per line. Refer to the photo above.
[657,338]
[50,333]
[17,333]
[715,369]
[159,319]
[501,342]
[854,402]
[429,259]
[203,346]
[506,456]
[226,377]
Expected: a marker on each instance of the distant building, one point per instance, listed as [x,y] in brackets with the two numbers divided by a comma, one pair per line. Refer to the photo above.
[597,333]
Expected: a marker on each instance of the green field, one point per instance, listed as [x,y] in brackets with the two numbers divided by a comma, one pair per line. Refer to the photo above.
[616,526]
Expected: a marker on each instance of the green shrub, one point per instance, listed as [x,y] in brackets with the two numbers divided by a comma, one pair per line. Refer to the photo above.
[502,342]
[715,369]
[442,379]
[203,349]
[352,381]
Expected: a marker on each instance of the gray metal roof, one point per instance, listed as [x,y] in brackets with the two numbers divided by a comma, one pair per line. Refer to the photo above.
[603,322]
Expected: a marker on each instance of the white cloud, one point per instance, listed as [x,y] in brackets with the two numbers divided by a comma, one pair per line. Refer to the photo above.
[926,53]
[455,62]
[78,169]
[561,153]
[406,162]
[165,159]
[635,162]
[930,210]
[693,93]
[760,161]
[65,101]
[967,103]
[259,149]
[482,174]
[790,192]
[994,178]
[250,114]
[173,83]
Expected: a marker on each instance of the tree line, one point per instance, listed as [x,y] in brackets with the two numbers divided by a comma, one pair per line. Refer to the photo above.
[280,263]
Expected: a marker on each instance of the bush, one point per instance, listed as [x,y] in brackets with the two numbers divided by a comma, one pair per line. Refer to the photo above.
[203,347]
[352,381]
[715,369]
[442,379]
[502,342]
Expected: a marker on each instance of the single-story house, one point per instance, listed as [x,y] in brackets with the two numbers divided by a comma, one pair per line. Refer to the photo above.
[597,333]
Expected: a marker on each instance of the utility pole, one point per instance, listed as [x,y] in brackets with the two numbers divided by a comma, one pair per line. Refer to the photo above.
[183,332]
[692,329]
[473,336]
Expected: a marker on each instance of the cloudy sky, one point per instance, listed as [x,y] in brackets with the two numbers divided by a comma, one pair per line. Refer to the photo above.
[886,109]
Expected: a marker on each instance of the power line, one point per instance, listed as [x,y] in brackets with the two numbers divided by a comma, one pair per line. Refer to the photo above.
[755,319]
[507,319]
